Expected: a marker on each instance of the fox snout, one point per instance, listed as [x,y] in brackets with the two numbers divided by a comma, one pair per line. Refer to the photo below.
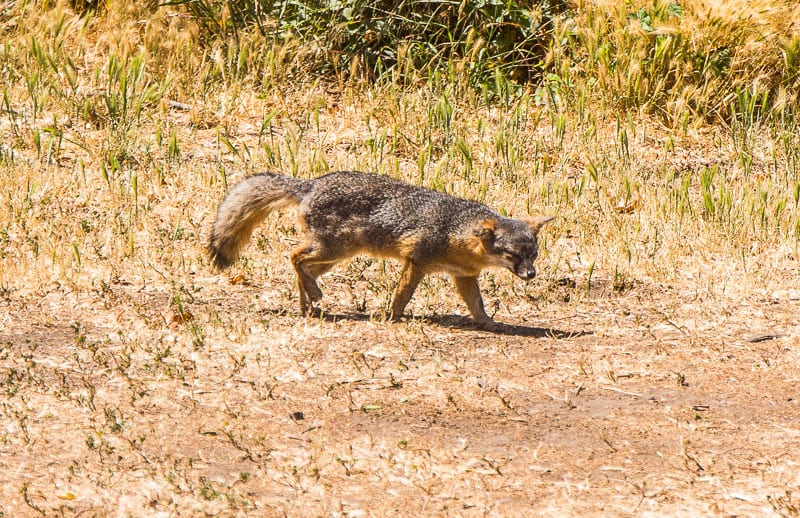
[525,271]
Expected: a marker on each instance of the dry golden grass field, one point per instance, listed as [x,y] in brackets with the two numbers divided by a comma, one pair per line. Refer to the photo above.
[652,368]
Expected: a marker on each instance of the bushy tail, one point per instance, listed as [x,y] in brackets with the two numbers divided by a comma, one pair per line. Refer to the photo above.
[245,206]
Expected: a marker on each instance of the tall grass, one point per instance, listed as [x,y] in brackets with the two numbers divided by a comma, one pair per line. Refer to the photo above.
[680,60]
[689,60]
[660,133]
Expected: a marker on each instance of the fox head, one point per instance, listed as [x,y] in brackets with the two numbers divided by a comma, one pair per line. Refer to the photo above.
[511,243]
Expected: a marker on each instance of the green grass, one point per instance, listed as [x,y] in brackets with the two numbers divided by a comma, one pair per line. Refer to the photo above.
[124,125]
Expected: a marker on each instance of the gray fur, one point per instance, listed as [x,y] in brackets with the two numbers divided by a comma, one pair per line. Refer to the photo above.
[345,213]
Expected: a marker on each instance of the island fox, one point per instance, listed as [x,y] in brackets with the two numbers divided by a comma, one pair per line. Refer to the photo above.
[346,213]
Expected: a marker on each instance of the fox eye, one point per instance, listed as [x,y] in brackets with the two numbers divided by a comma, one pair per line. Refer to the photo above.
[511,256]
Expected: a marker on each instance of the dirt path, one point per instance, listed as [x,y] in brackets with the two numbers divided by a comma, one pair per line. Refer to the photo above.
[614,405]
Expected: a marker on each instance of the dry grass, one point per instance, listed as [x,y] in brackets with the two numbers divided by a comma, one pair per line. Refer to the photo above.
[137,381]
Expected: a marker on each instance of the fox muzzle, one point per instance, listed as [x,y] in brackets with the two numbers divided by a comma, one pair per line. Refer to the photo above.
[525,272]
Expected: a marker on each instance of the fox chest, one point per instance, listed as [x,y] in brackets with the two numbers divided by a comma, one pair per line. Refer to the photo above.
[461,260]
[455,269]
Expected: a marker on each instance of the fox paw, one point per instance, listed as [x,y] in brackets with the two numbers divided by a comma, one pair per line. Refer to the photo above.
[311,311]
[395,316]
[491,326]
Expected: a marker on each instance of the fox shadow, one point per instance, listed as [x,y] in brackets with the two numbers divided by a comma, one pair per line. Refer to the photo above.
[450,322]
[459,322]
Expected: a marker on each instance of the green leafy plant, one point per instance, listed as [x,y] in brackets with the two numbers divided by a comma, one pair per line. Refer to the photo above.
[369,38]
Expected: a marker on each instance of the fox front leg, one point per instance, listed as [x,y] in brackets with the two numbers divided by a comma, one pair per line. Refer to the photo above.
[409,280]
[470,291]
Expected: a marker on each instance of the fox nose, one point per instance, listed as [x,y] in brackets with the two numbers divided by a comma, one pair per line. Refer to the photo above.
[528,273]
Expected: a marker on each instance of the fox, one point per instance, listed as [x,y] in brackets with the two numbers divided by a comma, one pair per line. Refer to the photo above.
[346,213]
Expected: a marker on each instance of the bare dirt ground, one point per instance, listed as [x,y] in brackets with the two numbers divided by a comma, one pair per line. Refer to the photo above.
[148,385]
[653,401]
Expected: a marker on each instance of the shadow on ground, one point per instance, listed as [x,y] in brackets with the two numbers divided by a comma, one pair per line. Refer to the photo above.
[448,321]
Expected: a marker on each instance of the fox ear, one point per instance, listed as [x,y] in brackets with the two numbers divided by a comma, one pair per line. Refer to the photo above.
[538,222]
[485,228]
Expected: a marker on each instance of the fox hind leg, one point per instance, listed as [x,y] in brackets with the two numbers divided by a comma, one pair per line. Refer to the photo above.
[410,276]
[310,261]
